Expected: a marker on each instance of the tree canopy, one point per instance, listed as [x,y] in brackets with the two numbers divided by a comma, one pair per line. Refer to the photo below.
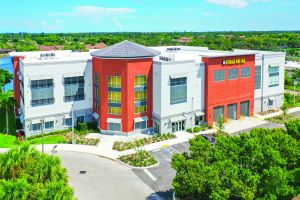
[5,78]
[262,164]
[27,174]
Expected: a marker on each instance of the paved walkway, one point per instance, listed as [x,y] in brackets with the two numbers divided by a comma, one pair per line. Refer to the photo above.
[104,148]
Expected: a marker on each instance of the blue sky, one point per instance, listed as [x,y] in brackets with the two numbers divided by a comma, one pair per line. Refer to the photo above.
[148,15]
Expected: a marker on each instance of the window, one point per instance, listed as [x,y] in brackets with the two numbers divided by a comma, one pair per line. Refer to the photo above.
[178,90]
[97,106]
[80,119]
[96,78]
[96,86]
[42,92]
[140,96]
[257,77]
[244,108]
[114,126]
[198,120]
[114,97]
[140,109]
[37,127]
[140,80]
[114,81]
[97,93]
[271,102]
[156,127]
[245,73]
[232,74]
[273,76]
[49,125]
[140,125]
[219,75]
[68,122]
[218,113]
[74,88]
[178,126]
[114,110]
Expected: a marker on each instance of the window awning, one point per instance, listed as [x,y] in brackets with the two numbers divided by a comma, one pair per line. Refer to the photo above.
[74,74]
[271,98]
[181,75]
[113,120]
[177,118]
[140,119]
[49,119]
[36,121]
[199,113]
[95,115]
[67,116]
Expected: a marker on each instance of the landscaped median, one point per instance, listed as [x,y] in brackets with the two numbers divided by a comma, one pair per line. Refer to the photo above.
[122,146]
[140,159]
[281,119]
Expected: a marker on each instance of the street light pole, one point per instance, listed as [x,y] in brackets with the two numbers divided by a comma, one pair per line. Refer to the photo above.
[72,124]
[193,115]
[42,121]
[295,82]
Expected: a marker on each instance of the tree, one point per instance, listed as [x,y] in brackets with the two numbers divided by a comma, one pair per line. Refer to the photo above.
[25,174]
[5,78]
[262,164]
[7,103]
[293,128]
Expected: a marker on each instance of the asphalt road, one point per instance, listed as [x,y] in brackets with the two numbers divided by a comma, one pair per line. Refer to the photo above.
[94,178]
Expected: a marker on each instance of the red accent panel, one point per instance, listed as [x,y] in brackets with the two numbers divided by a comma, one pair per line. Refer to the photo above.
[228,91]
[16,66]
[127,69]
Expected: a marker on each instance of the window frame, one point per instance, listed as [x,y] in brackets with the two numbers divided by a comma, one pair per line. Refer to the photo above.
[245,74]
[230,75]
[217,77]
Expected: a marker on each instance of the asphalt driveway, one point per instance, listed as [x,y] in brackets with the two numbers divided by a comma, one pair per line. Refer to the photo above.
[94,178]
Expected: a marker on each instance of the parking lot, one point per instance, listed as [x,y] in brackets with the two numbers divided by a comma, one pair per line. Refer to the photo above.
[160,178]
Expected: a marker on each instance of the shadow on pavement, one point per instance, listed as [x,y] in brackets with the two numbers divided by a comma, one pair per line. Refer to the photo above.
[161,195]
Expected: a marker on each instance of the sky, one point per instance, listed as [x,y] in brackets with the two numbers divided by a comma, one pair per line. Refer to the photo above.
[148,15]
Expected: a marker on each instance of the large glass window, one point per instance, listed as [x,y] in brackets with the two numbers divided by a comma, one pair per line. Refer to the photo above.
[218,113]
[257,77]
[49,125]
[245,72]
[244,108]
[74,88]
[274,76]
[114,126]
[140,96]
[140,109]
[42,92]
[114,110]
[140,125]
[37,127]
[68,122]
[219,75]
[140,80]
[232,74]
[80,119]
[114,97]
[178,90]
[114,81]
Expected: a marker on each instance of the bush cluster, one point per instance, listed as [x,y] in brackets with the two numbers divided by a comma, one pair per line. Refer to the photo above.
[121,146]
[27,174]
[140,159]
[59,132]
[197,129]
[85,128]
[80,139]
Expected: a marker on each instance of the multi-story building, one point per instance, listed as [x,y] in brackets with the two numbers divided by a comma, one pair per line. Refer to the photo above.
[129,88]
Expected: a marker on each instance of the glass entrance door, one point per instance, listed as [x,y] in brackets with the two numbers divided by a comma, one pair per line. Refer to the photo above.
[178,126]
[244,108]
[232,111]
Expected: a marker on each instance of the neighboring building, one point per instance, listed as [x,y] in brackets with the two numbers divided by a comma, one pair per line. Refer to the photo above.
[269,79]
[46,87]
[128,88]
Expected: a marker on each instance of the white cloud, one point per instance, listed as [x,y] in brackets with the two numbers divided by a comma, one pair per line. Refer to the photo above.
[235,3]
[93,11]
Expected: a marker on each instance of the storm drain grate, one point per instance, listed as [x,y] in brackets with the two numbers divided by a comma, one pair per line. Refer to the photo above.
[82,172]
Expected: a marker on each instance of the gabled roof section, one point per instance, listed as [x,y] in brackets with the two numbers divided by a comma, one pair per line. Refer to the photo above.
[125,49]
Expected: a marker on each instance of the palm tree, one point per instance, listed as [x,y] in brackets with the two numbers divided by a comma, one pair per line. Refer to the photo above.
[7,102]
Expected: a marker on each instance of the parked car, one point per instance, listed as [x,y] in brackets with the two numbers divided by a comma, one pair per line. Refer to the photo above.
[209,138]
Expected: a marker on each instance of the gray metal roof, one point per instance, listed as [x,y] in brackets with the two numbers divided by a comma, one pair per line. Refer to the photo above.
[125,49]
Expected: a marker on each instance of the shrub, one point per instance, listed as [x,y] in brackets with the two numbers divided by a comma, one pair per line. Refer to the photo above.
[121,146]
[140,159]
[59,132]
[293,128]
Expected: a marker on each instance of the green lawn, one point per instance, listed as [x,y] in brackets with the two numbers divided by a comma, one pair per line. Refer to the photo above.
[52,139]
[8,141]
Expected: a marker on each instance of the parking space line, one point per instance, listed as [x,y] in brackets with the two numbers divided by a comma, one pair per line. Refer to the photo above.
[153,178]
[184,145]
